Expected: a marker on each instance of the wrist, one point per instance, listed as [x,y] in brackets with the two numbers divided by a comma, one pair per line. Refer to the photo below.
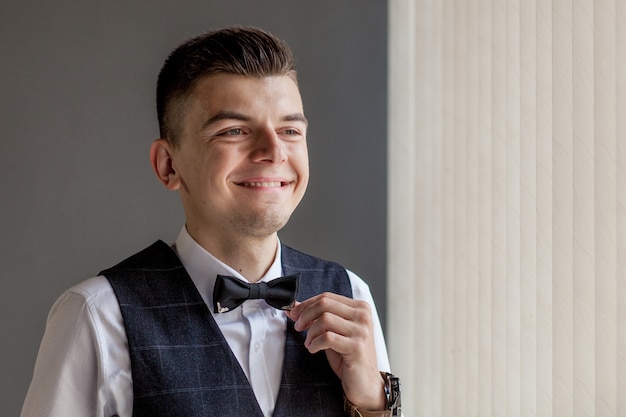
[354,411]
[390,393]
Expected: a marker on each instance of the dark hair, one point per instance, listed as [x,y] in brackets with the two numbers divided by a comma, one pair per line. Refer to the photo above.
[240,51]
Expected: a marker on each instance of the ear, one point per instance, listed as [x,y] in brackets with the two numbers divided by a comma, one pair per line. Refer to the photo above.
[162,164]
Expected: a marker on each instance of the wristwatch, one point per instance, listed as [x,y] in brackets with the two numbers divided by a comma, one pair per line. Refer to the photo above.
[393,399]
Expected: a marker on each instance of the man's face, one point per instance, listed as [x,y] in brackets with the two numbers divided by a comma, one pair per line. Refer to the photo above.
[242,162]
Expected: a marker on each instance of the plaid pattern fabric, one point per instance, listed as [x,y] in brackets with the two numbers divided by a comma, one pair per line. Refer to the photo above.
[181,363]
[309,386]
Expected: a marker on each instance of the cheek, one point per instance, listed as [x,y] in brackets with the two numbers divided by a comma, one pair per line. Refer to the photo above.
[304,170]
[196,173]
[303,175]
[301,160]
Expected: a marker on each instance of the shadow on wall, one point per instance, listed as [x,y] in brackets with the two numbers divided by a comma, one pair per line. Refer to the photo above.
[78,118]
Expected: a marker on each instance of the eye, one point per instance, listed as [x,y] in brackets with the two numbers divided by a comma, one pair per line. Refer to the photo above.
[291,133]
[233,132]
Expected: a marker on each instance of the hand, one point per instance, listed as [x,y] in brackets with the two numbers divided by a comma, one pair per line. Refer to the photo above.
[342,327]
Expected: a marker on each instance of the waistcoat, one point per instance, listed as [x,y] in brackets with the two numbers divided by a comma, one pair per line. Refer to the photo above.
[181,364]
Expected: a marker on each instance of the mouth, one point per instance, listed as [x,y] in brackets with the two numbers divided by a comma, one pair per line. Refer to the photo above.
[263,184]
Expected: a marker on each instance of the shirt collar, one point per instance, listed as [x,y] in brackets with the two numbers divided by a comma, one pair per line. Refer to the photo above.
[203,267]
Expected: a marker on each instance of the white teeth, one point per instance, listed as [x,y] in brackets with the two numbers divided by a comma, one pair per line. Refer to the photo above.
[271,184]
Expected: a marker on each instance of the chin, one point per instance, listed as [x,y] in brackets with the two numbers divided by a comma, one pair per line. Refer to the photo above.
[260,225]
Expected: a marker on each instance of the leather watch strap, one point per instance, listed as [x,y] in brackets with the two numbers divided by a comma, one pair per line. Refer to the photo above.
[357,412]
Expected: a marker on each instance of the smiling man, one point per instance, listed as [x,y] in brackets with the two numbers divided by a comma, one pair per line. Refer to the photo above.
[287,334]
[240,164]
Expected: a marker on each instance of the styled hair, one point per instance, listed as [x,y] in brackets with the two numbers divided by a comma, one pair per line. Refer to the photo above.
[240,51]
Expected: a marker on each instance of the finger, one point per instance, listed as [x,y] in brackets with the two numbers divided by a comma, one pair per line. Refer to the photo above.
[303,305]
[356,325]
[326,304]
[329,341]
[335,333]
[293,314]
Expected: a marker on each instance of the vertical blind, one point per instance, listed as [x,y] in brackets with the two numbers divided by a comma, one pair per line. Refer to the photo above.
[507,206]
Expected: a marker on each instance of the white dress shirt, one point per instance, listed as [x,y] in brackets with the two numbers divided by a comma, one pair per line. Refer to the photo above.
[83,365]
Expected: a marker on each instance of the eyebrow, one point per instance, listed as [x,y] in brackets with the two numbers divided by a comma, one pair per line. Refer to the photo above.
[226,115]
[296,117]
[233,115]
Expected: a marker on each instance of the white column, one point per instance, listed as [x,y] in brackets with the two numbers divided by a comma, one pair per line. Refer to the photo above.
[507,206]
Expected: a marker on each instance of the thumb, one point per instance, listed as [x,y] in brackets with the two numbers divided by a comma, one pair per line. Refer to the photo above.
[294,313]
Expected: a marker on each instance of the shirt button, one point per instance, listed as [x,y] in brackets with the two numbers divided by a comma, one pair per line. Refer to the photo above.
[257,346]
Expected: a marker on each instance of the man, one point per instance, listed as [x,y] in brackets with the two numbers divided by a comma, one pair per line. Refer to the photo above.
[139,339]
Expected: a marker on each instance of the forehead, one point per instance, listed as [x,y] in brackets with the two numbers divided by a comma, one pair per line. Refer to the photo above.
[218,92]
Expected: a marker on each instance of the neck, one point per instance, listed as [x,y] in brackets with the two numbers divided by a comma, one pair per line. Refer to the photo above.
[250,256]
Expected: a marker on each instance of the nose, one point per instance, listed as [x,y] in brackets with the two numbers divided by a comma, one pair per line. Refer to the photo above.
[268,147]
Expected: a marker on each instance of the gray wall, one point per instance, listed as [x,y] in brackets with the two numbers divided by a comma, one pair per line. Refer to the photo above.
[77,117]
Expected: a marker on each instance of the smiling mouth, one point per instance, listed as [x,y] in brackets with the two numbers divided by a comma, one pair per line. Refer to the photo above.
[263,184]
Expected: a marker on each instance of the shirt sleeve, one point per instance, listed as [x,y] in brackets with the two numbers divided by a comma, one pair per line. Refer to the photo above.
[72,374]
[361,291]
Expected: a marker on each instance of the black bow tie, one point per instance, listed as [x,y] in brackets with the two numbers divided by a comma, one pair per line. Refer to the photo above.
[230,292]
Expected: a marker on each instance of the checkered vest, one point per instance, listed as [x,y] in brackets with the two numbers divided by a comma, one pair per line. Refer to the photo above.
[182,365]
